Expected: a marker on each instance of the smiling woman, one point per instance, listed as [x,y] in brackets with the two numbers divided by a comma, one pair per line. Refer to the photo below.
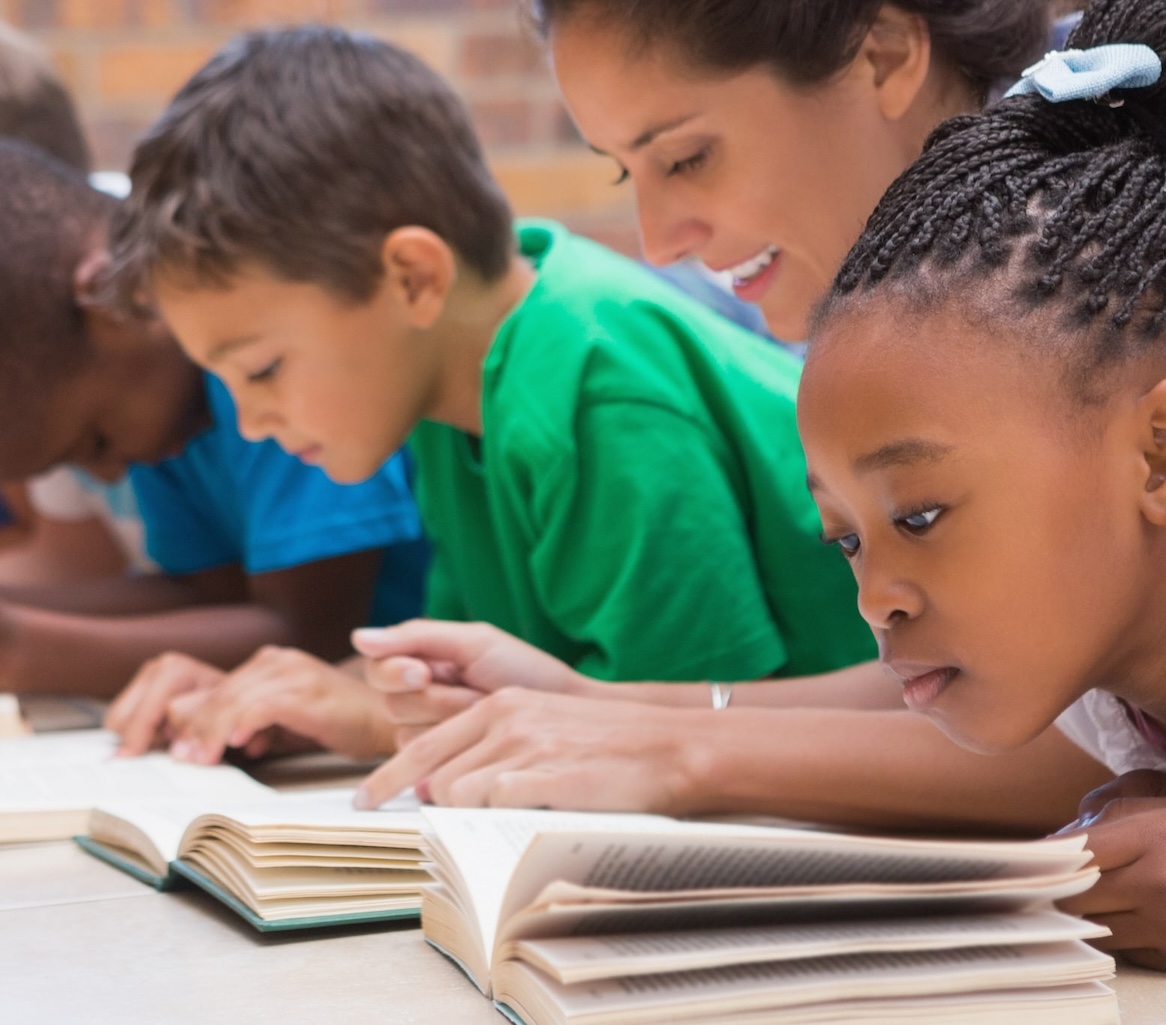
[759,137]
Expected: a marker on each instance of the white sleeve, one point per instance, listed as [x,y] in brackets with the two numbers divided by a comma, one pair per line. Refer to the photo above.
[1098,724]
[59,495]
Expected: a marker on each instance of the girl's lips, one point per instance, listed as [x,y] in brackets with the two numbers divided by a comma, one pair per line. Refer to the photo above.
[311,454]
[921,692]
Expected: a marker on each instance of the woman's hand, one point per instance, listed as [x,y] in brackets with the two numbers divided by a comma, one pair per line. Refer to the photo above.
[1125,821]
[521,748]
[430,670]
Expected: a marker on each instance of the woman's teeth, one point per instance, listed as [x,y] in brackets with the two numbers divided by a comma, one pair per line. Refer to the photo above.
[743,272]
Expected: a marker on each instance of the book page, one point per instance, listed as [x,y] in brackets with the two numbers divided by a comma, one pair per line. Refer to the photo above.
[156,828]
[76,771]
[479,848]
[502,859]
[585,958]
[699,996]
[713,859]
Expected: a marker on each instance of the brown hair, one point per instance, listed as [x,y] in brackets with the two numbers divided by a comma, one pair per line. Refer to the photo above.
[807,41]
[301,149]
[34,103]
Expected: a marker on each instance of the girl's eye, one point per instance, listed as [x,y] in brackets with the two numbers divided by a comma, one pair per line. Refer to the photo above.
[689,164]
[919,522]
[847,543]
[623,176]
[267,373]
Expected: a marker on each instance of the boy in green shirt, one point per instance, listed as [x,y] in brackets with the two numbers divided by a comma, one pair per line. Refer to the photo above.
[605,468]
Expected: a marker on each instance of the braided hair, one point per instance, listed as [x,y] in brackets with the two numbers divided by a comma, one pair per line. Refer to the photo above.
[1034,206]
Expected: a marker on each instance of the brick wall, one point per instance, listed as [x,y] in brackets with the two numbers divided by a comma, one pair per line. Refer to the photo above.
[124,58]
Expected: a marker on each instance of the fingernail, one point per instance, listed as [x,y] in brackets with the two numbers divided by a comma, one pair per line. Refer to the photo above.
[1083,822]
[369,634]
[183,750]
[238,738]
[422,792]
[364,801]
[414,677]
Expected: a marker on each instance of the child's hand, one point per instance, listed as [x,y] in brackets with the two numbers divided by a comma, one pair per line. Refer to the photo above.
[430,670]
[520,748]
[140,714]
[281,699]
[1126,825]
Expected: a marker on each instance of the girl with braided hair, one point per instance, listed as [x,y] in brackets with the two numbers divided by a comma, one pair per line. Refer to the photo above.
[984,417]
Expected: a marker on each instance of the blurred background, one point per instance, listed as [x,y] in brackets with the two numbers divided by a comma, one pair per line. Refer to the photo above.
[123,59]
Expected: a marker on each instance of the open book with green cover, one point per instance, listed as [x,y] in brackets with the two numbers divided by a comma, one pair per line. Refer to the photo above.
[294,860]
[281,860]
[619,920]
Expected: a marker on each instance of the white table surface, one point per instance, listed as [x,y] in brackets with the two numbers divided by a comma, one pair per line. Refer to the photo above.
[83,943]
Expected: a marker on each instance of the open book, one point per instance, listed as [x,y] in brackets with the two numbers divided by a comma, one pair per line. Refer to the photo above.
[287,861]
[50,782]
[281,860]
[617,920]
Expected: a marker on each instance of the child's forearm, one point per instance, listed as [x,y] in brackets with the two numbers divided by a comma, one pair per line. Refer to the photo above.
[106,596]
[53,652]
[883,770]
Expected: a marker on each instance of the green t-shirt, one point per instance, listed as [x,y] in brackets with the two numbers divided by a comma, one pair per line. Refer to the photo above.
[637,503]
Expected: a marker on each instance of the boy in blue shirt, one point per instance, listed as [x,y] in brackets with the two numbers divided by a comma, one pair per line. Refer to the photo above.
[256,547]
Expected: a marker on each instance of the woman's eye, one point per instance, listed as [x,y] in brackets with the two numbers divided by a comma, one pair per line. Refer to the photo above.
[918,522]
[689,164]
[267,373]
[623,176]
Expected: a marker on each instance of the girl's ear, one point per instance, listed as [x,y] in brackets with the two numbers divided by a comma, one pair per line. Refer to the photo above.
[897,51]
[1152,406]
[421,269]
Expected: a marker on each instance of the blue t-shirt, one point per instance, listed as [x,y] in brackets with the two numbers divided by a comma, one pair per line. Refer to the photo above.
[224,500]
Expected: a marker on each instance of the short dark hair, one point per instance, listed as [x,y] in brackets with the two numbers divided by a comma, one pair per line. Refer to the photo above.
[807,41]
[50,219]
[301,149]
[34,103]
[1036,209]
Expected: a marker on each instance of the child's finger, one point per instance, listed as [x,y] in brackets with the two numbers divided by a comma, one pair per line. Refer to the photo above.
[433,705]
[429,639]
[157,686]
[397,674]
[1140,783]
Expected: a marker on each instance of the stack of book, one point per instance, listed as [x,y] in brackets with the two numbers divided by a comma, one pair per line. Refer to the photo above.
[576,919]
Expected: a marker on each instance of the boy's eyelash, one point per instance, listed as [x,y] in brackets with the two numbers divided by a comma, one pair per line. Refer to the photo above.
[266,373]
[688,164]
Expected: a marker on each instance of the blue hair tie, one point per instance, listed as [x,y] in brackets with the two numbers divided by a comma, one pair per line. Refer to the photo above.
[1090,74]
